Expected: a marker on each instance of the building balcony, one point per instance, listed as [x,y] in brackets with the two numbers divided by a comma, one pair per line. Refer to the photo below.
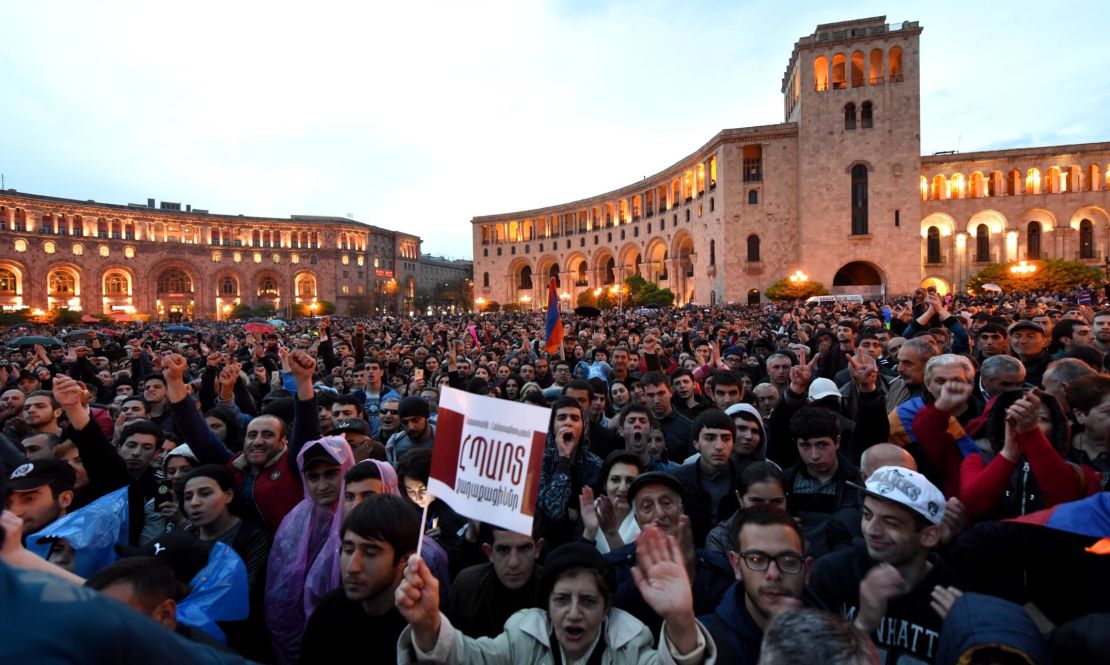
[936,260]
[1092,256]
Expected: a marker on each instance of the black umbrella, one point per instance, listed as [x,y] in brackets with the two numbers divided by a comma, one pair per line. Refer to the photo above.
[32,340]
[80,333]
[586,310]
[178,330]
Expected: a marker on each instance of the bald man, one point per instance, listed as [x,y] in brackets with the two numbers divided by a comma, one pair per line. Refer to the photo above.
[884,454]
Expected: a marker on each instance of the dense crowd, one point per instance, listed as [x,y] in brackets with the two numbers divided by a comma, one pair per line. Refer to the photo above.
[922,481]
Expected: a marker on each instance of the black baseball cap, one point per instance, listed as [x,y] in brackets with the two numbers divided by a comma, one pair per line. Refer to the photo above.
[317,454]
[653,478]
[38,472]
[352,425]
[183,552]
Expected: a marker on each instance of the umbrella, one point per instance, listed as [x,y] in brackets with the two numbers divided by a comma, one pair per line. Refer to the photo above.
[120,316]
[991,287]
[586,310]
[80,333]
[277,323]
[88,318]
[32,340]
[259,328]
[178,330]
[107,331]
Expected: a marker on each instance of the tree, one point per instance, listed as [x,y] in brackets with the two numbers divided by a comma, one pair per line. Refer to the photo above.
[640,293]
[265,311]
[784,289]
[1055,275]
[242,311]
[325,308]
[490,306]
[63,316]
[586,299]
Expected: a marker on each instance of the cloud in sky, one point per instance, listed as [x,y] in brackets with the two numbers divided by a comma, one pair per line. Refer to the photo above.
[419,116]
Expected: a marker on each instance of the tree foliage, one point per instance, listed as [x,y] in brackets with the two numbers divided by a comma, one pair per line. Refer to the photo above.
[63,316]
[642,293]
[490,306]
[784,289]
[1056,275]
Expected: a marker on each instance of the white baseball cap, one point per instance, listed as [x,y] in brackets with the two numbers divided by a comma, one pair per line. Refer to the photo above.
[821,388]
[908,488]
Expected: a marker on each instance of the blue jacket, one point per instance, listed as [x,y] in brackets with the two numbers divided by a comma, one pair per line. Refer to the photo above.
[734,631]
[977,621]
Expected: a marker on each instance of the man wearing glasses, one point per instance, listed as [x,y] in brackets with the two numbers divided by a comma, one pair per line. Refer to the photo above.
[771,574]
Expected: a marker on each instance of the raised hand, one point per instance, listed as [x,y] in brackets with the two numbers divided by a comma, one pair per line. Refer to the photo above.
[173,367]
[864,371]
[953,395]
[878,587]
[587,509]
[660,575]
[67,393]
[942,599]
[802,373]
[954,521]
[417,599]
[1025,413]
[301,365]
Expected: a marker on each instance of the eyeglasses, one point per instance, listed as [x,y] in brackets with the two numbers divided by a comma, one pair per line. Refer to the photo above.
[389,411]
[788,564]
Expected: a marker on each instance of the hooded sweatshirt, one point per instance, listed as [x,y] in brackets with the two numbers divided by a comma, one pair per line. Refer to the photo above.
[976,622]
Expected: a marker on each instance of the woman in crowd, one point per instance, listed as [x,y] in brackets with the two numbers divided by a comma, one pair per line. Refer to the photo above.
[608,520]
[760,483]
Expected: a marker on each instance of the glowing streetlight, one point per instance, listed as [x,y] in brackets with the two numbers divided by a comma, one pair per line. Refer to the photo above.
[1023,269]
[798,277]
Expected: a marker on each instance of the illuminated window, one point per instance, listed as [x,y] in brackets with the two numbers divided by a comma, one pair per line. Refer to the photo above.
[257,257]
[229,287]
[236,257]
[49,247]
[346,289]
[8,281]
[20,245]
[103,250]
[295,258]
[361,260]
[277,258]
[174,281]
[78,249]
[217,257]
[62,282]
[345,259]
[116,283]
[129,252]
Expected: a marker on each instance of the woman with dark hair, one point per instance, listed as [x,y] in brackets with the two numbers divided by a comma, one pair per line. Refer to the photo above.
[619,395]
[760,483]
[608,520]
[206,499]
[1024,438]
[225,424]
[510,387]
[575,621]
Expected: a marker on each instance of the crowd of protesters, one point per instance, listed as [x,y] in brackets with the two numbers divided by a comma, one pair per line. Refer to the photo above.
[922,481]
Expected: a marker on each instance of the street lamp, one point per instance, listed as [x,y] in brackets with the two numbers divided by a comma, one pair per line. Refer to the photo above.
[798,277]
[527,300]
[1023,269]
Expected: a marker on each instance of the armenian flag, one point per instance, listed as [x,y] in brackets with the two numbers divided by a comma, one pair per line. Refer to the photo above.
[554,330]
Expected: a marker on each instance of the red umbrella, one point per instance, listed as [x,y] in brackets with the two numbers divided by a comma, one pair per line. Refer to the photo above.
[88,318]
[259,328]
[106,331]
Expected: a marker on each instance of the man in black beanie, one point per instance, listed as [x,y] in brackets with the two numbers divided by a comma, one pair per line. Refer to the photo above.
[416,431]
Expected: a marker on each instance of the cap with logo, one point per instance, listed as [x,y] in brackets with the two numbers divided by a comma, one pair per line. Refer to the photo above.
[352,425]
[908,488]
[38,472]
[184,553]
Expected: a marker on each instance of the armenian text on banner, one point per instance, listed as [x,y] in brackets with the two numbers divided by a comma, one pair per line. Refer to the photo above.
[487,458]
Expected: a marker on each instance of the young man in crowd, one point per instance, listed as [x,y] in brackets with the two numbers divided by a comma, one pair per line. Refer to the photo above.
[568,466]
[484,596]
[709,482]
[416,432]
[676,427]
[41,491]
[376,540]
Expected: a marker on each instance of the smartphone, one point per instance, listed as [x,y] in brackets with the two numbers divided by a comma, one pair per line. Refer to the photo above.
[418,374]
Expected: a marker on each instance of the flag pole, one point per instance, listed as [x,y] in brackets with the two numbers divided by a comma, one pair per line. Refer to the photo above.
[423,523]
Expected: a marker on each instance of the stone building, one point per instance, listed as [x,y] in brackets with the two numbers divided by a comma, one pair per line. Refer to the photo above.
[174,264]
[839,191]
[438,274]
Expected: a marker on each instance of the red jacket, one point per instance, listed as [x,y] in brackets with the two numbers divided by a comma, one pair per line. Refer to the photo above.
[932,429]
[277,487]
[982,484]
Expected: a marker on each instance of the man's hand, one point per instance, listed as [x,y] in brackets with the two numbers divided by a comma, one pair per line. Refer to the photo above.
[953,396]
[864,371]
[67,393]
[943,598]
[660,575]
[566,442]
[417,599]
[173,370]
[587,509]
[954,521]
[302,366]
[214,359]
[878,586]
[801,375]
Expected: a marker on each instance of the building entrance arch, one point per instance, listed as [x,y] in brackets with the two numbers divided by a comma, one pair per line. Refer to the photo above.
[860,277]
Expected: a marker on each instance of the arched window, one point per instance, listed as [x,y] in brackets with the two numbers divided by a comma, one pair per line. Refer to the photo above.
[865,115]
[753,248]
[312,259]
[712,252]
[525,278]
[876,66]
[228,287]
[174,281]
[1033,241]
[849,116]
[839,75]
[859,200]
[932,245]
[7,281]
[895,64]
[267,287]
[753,196]
[1086,239]
[610,274]
[306,286]
[821,73]
[485,280]
[857,69]
[982,244]
[62,281]
[115,283]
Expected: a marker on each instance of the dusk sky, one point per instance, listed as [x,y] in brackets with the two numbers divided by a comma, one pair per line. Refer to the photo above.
[419,116]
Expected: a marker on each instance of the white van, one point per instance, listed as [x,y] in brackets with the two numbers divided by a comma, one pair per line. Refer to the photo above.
[831,300]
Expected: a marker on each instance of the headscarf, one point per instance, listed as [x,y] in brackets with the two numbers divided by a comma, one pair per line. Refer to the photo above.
[324,574]
[297,544]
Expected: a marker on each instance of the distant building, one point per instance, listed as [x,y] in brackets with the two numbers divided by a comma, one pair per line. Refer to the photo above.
[440,279]
[170,264]
[839,191]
